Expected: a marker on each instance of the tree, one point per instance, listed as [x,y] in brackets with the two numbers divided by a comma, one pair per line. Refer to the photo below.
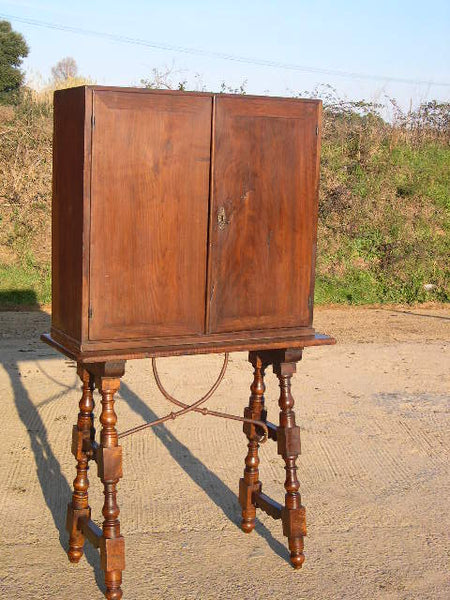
[13,49]
[66,68]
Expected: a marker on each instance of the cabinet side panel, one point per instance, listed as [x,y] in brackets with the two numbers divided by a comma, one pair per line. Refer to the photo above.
[264,213]
[315,212]
[67,210]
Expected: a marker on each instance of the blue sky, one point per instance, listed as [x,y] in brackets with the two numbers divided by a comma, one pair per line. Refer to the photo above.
[392,39]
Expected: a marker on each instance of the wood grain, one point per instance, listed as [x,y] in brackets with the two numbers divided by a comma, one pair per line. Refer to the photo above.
[149,202]
[210,345]
[264,207]
[67,210]
[175,223]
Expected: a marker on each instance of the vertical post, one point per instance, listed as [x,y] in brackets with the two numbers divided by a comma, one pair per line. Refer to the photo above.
[83,430]
[288,438]
[249,484]
[109,462]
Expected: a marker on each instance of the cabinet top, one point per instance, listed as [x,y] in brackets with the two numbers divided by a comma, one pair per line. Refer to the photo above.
[105,88]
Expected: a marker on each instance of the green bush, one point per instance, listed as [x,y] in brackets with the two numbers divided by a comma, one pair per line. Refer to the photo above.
[384,205]
[383,212]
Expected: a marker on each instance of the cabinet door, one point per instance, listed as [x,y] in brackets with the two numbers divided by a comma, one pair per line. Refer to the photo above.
[149,213]
[263,214]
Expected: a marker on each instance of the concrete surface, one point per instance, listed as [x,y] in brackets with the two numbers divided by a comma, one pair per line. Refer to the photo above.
[374,415]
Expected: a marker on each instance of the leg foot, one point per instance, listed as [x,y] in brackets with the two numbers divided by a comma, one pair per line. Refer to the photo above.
[75,554]
[113,589]
[248,524]
[297,556]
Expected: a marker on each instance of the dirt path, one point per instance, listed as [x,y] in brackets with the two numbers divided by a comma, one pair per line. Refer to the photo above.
[374,414]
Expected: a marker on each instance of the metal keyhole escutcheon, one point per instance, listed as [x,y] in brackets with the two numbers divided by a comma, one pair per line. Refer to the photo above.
[221,218]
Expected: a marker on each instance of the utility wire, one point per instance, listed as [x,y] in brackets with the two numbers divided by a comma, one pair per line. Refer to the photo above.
[221,55]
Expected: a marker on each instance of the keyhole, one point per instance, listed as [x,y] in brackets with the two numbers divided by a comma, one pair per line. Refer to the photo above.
[221,218]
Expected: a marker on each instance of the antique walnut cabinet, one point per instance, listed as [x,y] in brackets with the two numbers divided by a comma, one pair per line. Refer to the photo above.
[183,223]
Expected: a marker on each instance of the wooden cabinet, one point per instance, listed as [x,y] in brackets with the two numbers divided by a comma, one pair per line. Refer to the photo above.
[182,222]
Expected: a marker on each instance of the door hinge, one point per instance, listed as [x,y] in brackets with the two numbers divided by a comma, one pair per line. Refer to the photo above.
[93,120]
[90,312]
[310,303]
[317,130]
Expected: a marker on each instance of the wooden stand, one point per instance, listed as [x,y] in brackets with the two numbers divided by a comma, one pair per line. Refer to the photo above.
[182,223]
[105,377]
[108,456]
[287,436]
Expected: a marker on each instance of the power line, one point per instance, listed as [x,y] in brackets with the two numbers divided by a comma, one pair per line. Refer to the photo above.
[221,55]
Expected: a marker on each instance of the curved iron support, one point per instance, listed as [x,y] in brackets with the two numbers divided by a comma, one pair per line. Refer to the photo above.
[195,407]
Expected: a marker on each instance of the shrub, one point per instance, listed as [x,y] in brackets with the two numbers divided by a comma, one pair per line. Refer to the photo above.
[383,211]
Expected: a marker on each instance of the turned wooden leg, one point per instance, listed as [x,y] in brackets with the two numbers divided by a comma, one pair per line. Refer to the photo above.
[83,430]
[109,461]
[288,438]
[249,484]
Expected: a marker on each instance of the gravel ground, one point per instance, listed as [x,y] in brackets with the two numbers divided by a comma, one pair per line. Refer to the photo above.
[374,416]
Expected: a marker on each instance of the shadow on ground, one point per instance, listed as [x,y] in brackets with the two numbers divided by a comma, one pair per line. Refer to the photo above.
[222,496]
[18,299]
[55,486]
[416,314]
[47,465]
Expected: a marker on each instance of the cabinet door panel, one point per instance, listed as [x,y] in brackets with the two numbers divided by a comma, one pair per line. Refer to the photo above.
[263,213]
[149,211]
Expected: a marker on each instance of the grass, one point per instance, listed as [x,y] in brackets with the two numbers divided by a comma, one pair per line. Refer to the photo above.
[24,284]
[384,210]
